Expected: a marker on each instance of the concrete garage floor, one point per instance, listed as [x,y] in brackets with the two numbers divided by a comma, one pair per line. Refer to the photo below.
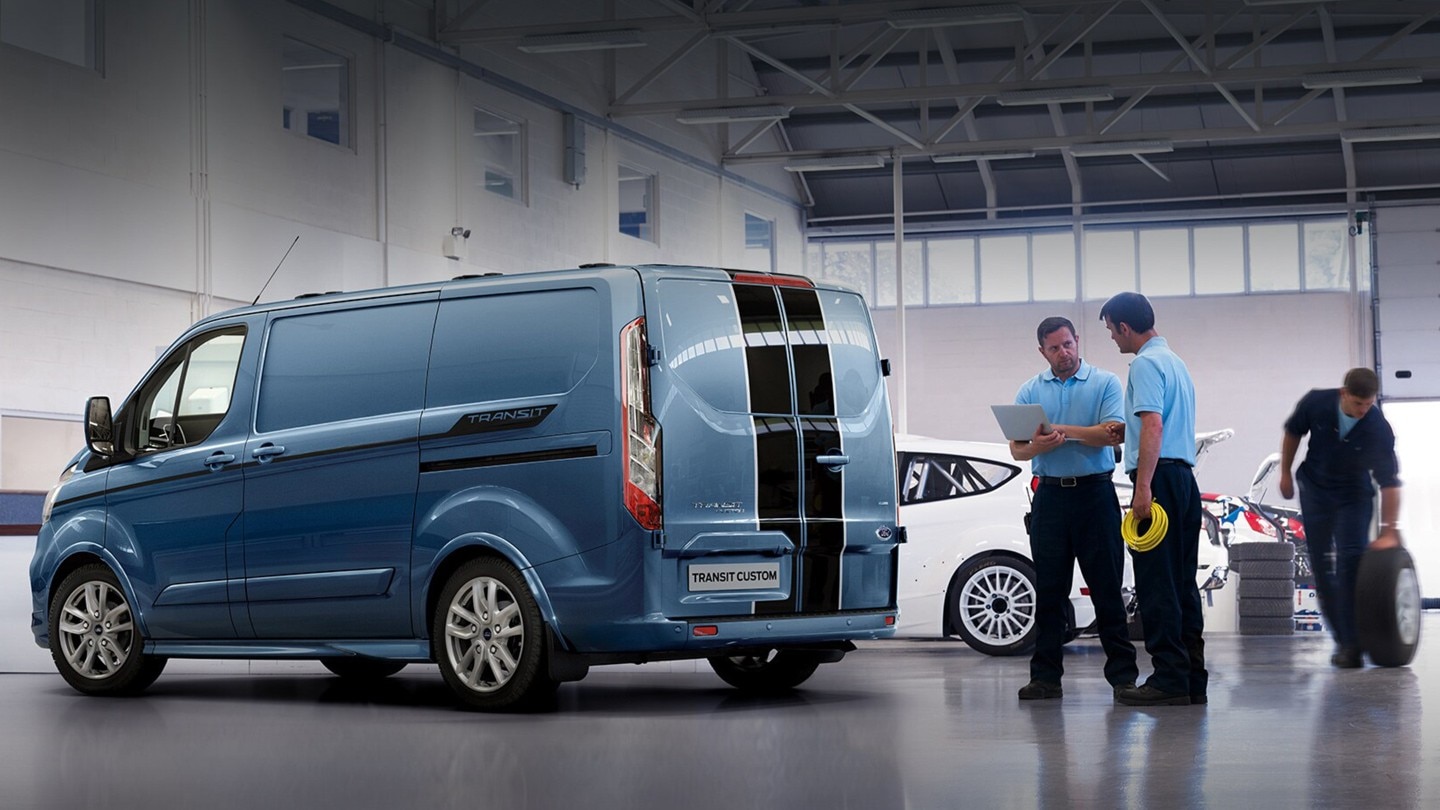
[908,724]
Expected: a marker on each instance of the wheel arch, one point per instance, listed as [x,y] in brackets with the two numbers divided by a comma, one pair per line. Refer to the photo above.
[78,558]
[475,546]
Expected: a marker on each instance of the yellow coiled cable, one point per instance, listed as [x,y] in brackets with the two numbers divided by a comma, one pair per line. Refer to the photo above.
[1130,529]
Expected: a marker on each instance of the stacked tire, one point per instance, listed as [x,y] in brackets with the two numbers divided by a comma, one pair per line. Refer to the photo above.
[1266,598]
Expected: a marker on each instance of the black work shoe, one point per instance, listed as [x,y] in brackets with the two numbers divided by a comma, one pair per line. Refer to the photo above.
[1347,658]
[1198,700]
[1123,687]
[1040,690]
[1148,695]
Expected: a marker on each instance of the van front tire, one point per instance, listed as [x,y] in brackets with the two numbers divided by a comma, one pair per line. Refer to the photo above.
[489,638]
[94,640]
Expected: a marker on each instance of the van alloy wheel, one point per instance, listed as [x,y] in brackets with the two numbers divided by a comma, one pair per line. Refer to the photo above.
[94,639]
[489,637]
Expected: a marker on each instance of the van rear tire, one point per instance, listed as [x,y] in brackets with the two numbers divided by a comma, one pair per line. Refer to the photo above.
[489,639]
[771,672]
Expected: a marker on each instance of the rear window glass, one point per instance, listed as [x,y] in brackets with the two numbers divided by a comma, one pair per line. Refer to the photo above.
[511,346]
[741,348]
[344,364]
[935,477]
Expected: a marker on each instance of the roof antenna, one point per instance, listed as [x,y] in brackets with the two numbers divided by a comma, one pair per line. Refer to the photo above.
[276,270]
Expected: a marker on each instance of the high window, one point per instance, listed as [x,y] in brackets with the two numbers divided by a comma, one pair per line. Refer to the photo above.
[497,151]
[637,203]
[759,243]
[68,30]
[317,92]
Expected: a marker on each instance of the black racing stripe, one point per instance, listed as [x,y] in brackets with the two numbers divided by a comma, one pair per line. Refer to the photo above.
[824,489]
[790,373]
[794,604]
[474,462]
[765,355]
[158,481]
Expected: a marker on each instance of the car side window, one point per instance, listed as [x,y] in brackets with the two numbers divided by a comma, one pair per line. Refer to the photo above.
[937,477]
[184,401]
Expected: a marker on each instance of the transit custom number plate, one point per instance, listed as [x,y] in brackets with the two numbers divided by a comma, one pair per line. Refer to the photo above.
[735,577]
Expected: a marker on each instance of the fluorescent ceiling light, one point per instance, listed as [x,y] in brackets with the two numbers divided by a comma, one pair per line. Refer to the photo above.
[590,41]
[967,157]
[1391,134]
[942,17]
[1059,95]
[1108,148]
[1359,78]
[727,115]
[830,164]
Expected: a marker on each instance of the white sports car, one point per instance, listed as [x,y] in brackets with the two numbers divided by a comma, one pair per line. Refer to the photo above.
[965,569]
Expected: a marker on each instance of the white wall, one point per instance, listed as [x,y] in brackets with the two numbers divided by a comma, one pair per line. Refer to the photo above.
[138,198]
[1251,357]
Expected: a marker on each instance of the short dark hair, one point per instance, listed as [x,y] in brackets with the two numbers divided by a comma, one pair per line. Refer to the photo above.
[1129,307]
[1053,324]
[1362,382]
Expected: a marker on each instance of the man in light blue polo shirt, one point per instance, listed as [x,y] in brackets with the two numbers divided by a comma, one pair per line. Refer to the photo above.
[1075,516]
[1159,457]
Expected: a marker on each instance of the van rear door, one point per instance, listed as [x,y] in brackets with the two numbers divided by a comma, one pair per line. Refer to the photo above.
[778,462]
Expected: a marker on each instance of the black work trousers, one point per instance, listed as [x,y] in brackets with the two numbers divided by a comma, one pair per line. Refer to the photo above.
[1069,525]
[1170,605]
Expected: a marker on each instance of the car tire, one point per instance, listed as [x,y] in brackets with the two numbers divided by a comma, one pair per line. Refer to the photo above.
[768,673]
[1387,606]
[1266,608]
[95,639]
[1264,569]
[1262,550]
[991,603]
[1250,588]
[489,639]
[362,669]
[1265,626]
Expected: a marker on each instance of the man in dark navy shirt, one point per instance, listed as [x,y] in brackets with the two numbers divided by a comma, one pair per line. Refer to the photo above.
[1350,443]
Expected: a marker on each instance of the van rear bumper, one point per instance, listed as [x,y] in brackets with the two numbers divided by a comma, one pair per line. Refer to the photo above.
[660,638]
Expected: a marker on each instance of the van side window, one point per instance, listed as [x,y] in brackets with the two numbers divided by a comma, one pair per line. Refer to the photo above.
[344,364]
[511,346]
[189,394]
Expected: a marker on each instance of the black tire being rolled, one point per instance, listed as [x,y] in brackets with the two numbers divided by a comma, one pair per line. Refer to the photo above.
[1387,606]
[95,638]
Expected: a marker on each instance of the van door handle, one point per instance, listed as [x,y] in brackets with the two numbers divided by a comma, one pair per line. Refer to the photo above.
[833,462]
[218,460]
[264,452]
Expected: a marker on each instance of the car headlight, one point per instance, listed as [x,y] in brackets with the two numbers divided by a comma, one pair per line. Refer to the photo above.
[50,496]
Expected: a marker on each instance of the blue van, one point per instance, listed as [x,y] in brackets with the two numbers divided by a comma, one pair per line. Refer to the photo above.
[515,477]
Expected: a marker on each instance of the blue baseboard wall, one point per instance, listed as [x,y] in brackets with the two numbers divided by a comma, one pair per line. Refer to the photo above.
[20,512]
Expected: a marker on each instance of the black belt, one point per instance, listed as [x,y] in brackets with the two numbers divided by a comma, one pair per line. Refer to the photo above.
[1074,480]
[1161,463]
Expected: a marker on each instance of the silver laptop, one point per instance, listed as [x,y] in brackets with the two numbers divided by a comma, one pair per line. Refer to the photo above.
[1018,422]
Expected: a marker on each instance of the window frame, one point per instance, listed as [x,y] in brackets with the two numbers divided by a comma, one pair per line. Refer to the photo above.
[650,229]
[908,459]
[519,174]
[136,419]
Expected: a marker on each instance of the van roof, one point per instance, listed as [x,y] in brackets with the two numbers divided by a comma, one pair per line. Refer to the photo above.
[522,280]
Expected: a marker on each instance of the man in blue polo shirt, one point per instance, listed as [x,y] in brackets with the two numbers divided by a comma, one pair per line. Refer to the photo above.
[1159,457]
[1075,516]
[1350,442]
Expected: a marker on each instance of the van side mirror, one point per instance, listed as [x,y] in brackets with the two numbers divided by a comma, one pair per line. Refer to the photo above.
[99,426]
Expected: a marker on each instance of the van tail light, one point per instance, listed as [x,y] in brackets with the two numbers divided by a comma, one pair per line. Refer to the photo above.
[640,432]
